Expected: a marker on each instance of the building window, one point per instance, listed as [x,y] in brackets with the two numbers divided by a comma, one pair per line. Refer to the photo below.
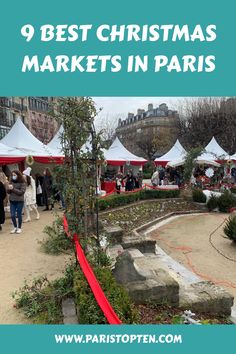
[3,132]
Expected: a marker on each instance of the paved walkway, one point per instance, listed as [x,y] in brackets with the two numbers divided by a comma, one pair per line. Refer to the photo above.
[20,259]
[186,239]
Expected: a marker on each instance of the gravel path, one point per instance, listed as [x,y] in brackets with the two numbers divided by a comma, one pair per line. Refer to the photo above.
[21,259]
[186,239]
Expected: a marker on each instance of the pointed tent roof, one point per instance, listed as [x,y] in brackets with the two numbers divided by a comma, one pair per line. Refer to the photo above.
[55,143]
[118,155]
[213,152]
[20,138]
[177,152]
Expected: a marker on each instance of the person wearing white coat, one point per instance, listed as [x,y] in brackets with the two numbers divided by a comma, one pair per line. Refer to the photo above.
[30,196]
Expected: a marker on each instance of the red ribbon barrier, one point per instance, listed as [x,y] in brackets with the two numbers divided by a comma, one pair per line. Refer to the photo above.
[98,293]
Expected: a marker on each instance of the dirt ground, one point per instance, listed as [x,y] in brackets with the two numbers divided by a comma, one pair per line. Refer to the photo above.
[187,240]
[21,259]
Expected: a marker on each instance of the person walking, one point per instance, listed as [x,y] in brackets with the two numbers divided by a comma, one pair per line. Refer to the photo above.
[2,198]
[140,178]
[47,188]
[4,180]
[16,190]
[155,178]
[130,181]
[39,190]
[30,195]
[118,182]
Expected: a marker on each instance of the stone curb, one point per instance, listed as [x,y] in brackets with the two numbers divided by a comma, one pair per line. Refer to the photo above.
[140,230]
[69,311]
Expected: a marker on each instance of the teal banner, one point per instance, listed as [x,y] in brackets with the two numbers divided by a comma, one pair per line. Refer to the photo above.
[124,48]
[117,339]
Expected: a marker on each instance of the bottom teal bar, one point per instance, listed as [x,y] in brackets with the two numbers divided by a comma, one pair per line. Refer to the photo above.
[61,339]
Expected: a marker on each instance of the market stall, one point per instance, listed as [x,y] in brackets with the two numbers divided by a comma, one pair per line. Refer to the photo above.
[22,140]
[176,153]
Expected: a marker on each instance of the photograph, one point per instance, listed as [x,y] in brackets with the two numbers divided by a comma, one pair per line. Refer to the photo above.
[118,210]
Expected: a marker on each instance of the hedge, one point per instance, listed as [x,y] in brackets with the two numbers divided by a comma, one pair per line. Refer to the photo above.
[117,200]
[198,196]
[87,308]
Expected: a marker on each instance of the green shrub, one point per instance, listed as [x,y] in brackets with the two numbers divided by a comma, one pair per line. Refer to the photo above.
[159,194]
[198,196]
[230,228]
[212,202]
[233,190]
[147,175]
[57,240]
[87,308]
[226,201]
[41,300]
[117,200]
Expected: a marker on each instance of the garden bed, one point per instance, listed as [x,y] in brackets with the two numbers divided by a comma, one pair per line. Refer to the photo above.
[151,314]
[135,215]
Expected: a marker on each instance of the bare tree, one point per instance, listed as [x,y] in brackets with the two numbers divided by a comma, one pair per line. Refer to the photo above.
[202,118]
[154,143]
[107,126]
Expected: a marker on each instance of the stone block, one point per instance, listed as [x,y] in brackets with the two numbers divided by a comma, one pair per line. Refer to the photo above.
[69,311]
[70,320]
[144,280]
[206,297]
[154,291]
[143,245]
[125,270]
[114,234]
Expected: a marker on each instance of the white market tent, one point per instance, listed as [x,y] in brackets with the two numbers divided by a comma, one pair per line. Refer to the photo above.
[55,143]
[10,155]
[118,155]
[176,153]
[181,162]
[213,152]
[9,151]
[22,140]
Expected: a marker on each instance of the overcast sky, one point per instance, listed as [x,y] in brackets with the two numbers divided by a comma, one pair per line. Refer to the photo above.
[118,107]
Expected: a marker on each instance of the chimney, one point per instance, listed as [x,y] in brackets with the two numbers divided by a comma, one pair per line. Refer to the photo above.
[140,111]
[130,115]
[150,107]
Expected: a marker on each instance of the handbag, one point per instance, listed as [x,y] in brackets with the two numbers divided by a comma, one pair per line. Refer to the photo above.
[39,189]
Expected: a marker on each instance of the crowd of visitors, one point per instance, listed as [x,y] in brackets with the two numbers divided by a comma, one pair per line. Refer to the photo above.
[165,176]
[23,194]
[129,181]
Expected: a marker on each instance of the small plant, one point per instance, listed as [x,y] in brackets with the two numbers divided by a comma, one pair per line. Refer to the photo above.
[230,228]
[147,175]
[226,201]
[178,319]
[87,308]
[212,203]
[41,300]
[57,241]
[198,196]
[233,190]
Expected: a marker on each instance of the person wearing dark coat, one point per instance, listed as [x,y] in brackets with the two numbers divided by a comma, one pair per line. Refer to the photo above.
[39,190]
[16,190]
[130,182]
[2,211]
[47,188]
